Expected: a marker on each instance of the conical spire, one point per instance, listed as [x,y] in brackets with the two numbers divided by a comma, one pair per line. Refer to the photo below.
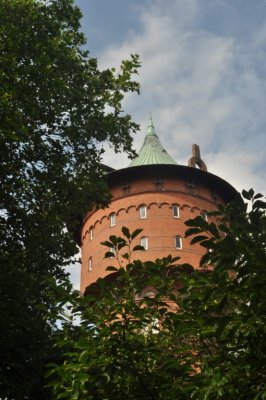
[152,151]
[151,130]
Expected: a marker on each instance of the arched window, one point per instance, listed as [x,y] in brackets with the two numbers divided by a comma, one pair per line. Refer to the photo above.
[178,242]
[175,210]
[143,212]
[91,233]
[144,242]
[112,219]
[90,264]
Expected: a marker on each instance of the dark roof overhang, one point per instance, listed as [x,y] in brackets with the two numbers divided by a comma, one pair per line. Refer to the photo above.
[213,182]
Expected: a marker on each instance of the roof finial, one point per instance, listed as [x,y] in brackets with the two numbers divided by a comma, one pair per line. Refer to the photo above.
[196,160]
[151,130]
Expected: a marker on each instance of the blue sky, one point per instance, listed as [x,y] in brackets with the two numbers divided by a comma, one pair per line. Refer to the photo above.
[203,77]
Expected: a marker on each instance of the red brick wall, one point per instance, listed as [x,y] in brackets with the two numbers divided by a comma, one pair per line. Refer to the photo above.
[160,227]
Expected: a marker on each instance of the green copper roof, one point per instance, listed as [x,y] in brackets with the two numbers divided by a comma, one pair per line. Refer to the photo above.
[152,151]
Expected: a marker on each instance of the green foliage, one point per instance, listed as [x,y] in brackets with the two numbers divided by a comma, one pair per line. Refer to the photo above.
[231,309]
[126,345]
[118,243]
[57,109]
[199,335]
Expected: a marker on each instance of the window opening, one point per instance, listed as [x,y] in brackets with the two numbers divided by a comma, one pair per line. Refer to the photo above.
[204,215]
[175,210]
[112,219]
[126,188]
[144,242]
[158,182]
[191,187]
[112,250]
[90,264]
[91,233]
[143,212]
[178,242]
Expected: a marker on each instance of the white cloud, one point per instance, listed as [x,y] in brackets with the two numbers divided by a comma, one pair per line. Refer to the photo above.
[201,87]
[237,166]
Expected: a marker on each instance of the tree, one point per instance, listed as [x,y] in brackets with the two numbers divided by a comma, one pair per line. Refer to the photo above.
[125,346]
[57,111]
[204,340]
[230,314]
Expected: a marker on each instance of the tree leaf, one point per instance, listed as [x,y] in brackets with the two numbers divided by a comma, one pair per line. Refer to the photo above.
[109,254]
[192,231]
[126,232]
[107,244]
[112,268]
[197,239]
[138,247]
[135,233]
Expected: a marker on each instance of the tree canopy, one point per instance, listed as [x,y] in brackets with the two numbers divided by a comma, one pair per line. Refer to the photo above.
[193,334]
[57,109]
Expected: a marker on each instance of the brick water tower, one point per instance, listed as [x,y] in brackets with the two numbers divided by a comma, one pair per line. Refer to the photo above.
[155,194]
